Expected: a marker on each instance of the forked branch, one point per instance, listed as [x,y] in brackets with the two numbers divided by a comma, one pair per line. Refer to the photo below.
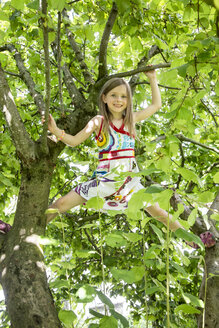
[78,53]
[25,76]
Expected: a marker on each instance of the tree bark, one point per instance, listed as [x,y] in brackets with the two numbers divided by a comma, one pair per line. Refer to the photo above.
[210,282]
[23,273]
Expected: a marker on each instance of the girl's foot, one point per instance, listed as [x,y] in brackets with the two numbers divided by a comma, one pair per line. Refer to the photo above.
[4,227]
[207,238]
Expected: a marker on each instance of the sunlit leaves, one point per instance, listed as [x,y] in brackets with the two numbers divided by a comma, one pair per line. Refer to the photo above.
[130,276]
[192,47]
[108,322]
[67,317]
[18,4]
[186,308]
[85,294]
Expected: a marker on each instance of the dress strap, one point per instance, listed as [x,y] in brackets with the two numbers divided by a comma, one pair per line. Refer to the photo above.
[121,129]
[101,126]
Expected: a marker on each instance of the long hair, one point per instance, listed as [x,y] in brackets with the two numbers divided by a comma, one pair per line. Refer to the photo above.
[127,114]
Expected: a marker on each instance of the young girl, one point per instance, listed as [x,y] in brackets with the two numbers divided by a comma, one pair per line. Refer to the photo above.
[115,135]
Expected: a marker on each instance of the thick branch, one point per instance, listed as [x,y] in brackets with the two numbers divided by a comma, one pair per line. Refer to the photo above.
[140,70]
[154,50]
[214,206]
[24,145]
[131,73]
[105,41]
[79,55]
[26,77]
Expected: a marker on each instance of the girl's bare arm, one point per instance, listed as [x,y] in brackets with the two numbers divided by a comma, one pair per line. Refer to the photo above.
[156,99]
[68,139]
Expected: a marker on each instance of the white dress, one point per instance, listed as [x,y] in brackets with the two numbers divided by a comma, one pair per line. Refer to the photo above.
[116,155]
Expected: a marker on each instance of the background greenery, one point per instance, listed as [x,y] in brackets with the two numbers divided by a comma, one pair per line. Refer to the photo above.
[176,150]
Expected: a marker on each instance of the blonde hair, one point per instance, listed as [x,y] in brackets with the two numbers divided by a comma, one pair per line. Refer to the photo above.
[128,113]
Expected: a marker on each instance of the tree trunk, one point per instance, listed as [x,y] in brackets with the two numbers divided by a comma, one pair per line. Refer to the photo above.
[23,273]
[211,315]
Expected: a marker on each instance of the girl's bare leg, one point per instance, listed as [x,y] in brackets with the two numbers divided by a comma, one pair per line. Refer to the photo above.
[65,203]
[158,213]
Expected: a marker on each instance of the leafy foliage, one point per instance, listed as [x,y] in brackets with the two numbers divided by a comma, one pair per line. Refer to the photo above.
[176,149]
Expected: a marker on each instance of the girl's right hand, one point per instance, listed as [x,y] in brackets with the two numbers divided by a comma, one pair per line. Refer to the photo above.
[52,127]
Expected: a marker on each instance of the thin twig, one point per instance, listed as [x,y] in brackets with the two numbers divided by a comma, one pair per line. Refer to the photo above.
[47,74]
[91,241]
[59,57]
[183,138]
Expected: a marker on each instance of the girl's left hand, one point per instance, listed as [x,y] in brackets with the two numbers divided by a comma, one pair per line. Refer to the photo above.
[151,74]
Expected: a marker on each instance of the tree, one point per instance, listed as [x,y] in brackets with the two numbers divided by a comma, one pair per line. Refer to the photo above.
[57,58]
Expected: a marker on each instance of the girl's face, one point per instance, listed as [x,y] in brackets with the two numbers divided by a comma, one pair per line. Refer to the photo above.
[116,100]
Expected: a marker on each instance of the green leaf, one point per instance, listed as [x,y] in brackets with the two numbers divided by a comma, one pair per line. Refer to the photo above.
[96,314]
[189,175]
[152,290]
[185,308]
[150,253]
[139,200]
[179,268]
[132,237]
[67,317]
[182,70]
[18,4]
[158,232]
[180,210]
[95,203]
[215,217]
[34,4]
[206,197]
[192,217]
[84,253]
[108,322]
[4,16]
[105,299]
[120,317]
[164,163]
[85,294]
[153,189]
[188,236]
[57,4]
[193,299]
[60,284]
[129,276]
[115,240]
[164,199]
[216,176]
[60,225]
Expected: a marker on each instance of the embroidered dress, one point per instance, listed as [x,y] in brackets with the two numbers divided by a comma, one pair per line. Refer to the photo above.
[116,155]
